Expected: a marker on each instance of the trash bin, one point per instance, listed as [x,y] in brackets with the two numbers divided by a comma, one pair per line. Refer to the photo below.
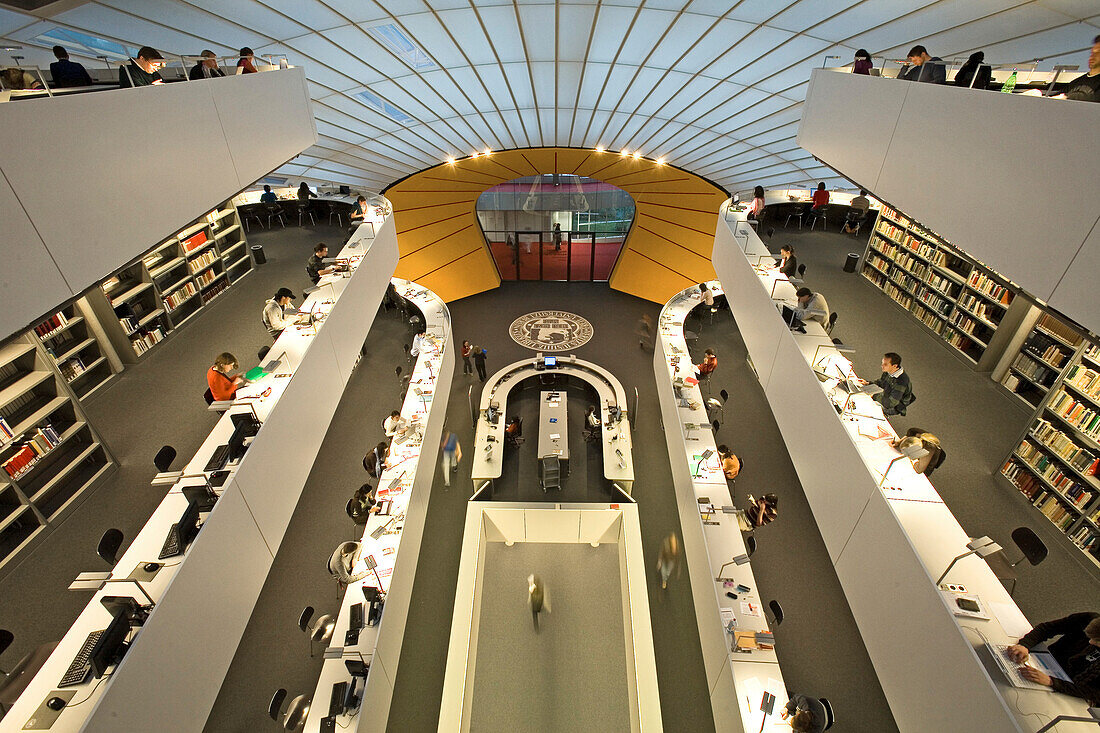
[258,254]
[851,262]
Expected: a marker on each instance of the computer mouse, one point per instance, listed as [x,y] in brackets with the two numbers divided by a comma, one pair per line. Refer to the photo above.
[55,703]
[151,567]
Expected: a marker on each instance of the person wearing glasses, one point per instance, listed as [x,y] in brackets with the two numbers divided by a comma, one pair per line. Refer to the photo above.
[141,71]
[207,68]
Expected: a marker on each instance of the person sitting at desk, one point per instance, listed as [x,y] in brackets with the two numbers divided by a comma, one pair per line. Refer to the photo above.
[68,73]
[245,63]
[805,714]
[731,464]
[375,460]
[268,196]
[315,265]
[922,67]
[274,316]
[359,213]
[1077,651]
[811,307]
[709,364]
[591,418]
[756,210]
[930,443]
[395,424]
[762,511]
[513,430]
[706,295]
[304,194]
[142,71]
[363,504]
[218,377]
[15,78]
[206,68]
[897,389]
[788,266]
[820,197]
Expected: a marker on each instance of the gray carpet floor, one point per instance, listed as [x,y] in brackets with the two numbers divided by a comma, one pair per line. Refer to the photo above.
[570,674]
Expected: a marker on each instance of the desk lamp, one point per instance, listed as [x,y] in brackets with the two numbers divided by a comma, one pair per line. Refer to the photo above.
[912,452]
[776,282]
[840,348]
[697,473]
[760,259]
[737,560]
[982,547]
[1093,712]
[223,405]
[372,565]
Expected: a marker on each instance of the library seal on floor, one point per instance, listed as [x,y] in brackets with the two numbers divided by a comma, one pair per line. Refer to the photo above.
[550,331]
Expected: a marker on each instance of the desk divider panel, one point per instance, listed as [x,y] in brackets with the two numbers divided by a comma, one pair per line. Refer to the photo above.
[212,597]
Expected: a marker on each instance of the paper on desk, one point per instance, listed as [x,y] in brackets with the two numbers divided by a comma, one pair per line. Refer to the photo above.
[555,436]
[727,617]
[1012,620]
[750,609]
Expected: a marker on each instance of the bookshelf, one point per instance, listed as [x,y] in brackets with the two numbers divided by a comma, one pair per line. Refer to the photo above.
[967,305]
[157,294]
[71,341]
[1046,352]
[50,455]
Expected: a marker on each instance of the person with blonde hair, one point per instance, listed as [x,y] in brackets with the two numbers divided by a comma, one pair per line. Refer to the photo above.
[220,378]
[668,558]
[538,598]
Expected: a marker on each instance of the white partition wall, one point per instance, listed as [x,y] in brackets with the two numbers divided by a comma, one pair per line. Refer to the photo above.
[188,643]
[100,178]
[1008,179]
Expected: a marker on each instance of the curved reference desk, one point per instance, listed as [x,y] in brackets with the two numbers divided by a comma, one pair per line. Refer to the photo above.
[737,674]
[406,482]
[888,532]
[618,465]
[221,573]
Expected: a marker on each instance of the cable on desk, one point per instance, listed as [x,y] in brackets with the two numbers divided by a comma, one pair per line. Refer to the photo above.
[89,697]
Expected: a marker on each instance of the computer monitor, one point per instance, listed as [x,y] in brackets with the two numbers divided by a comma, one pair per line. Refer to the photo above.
[790,317]
[110,647]
[236,441]
[245,421]
[188,526]
[550,361]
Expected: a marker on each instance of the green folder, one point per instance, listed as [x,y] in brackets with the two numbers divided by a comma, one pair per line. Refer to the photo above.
[254,374]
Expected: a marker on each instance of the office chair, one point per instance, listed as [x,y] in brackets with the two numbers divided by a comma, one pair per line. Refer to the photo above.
[208,396]
[397,373]
[15,681]
[274,211]
[819,215]
[549,473]
[250,213]
[320,630]
[832,322]
[716,425]
[770,231]
[108,546]
[305,210]
[517,439]
[801,272]
[334,210]
[830,718]
[162,461]
[294,716]
[408,352]
[750,545]
[777,613]
[262,352]
[724,395]
[797,212]
[1032,548]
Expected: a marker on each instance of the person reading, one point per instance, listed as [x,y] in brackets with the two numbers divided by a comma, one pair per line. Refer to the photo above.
[708,365]
[394,424]
[221,379]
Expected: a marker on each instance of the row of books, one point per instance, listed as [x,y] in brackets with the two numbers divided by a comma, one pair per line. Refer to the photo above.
[207,277]
[206,258]
[1085,537]
[928,318]
[1068,334]
[38,445]
[986,285]
[145,340]
[1085,379]
[1013,382]
[1042,498]
[1084,461]
[980,308]
[959,341]
[179,296]
[1081,415]
[194,241]
[211,293]
[965,324]
[1070,488]
[1034,370]
[71,368]
[54,323]
[6,433]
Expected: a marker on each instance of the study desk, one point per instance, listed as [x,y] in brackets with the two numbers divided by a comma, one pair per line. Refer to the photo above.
[488,451]
[889,535]
[406,482]
[554,425]
[712,538]
[262,398]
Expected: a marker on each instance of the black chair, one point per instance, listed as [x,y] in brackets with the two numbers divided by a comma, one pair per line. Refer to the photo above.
[397,372]
[832,322]
[796,212]
[777,613]
[724,395]
[334,210]
[320,630]
[939,462]
[162,461]
[516,439]
[550,473]
[15,681]
[294,715]
[819,214]
[1032,548]
[251,214]
[274,211]
[305,210]
[750,545]
[830,718]
[716,425]
[208,396]
[801,272]
[263,351]
[108,546]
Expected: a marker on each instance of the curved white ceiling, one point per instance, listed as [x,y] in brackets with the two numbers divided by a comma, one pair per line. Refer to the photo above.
[713,86]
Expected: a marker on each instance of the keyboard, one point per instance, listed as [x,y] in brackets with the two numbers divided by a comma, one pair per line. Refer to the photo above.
[218,460]
[80,668]
[172,545]
[1011,670]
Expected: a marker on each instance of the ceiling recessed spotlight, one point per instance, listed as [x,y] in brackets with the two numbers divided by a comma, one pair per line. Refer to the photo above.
[637,154]
[624,152]
[661,160]
[450,160]
[487,151]
[474,154]
[599,148]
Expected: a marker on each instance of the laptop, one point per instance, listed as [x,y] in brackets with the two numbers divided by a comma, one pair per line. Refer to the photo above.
[1043,661]
[791,318]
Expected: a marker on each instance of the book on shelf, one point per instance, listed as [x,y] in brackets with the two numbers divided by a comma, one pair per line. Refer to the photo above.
[6,433]
[41,442]
[1081,415]
[1054,326]
[180,295]
[71,368]
[194,241]
[144,341]
[51,324]
[1085,380]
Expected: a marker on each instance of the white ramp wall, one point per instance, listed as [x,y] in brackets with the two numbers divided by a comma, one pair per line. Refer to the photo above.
[1007,179]
[97,179]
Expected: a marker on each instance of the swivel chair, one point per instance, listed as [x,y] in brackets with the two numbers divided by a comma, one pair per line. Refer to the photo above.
[274,211]
[801,272]
[162,461]
[514,439]
[305,210]
[830,717]
[250,213]
[1032,548]
[334,210]
[294,715]
[832,322]
[15,681]
[777,613]
[796,212]
[109,545]
[320,630]
[819,214]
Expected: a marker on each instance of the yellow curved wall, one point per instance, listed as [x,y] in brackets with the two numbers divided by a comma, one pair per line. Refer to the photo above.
[442,248]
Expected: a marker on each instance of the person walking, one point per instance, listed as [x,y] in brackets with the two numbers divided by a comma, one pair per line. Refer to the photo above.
[538,598]
[556,237]
[479,361]
[452,454]
[668,558]
[644,329]
[467,367]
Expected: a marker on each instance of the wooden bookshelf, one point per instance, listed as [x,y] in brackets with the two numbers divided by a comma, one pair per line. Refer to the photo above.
[50,455]
[71,342]
[1046,352]
[959,300]
[152,297]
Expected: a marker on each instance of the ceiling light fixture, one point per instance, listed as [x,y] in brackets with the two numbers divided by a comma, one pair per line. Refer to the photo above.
[450,160]
[637,154]
[661,160]
[624,152]
[599,148]
[474,154]
[487,151]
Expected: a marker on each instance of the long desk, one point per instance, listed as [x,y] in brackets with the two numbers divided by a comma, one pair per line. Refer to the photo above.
[406,481]
[554,424]
[618,464]
[208,592]
[887,544]
[712,539]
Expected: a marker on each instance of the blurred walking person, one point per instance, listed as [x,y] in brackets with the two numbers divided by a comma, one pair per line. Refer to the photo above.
[452,454]
[668,559]
[538,598]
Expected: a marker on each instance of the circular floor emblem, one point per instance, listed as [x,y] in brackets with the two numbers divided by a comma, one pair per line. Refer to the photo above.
[550,331]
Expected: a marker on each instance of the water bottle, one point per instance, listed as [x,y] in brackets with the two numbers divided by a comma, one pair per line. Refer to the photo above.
[1010,83]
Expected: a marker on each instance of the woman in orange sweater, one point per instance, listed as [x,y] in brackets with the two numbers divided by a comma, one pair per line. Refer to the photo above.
[222,385]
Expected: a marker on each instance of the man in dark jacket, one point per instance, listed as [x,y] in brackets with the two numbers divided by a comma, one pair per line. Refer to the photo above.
[207,68]
[1078,651]
[67,73]
[922,67]
[897,390]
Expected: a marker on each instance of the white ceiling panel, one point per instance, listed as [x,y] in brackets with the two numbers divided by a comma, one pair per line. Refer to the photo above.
[713,85]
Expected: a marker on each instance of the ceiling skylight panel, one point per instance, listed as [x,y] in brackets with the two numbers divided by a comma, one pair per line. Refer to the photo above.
[381,105]
[426,29]
[463,25]
[314,14]
[401,45]
[686,32]
[645,34]
[715,44]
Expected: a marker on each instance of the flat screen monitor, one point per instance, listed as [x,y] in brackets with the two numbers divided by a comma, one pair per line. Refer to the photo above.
[550,361]
[345,190]
[236,441]
[109,649]
[790,317]
[188,526]
[245,421]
